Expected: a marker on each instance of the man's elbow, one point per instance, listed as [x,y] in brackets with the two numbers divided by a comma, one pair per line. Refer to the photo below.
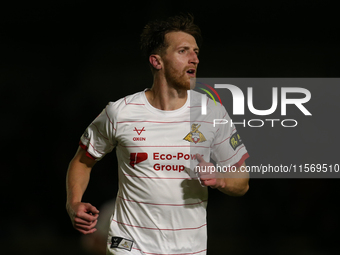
[237,190]
[243,191]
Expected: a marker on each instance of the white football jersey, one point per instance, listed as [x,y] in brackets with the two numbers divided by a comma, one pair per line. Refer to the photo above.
[160,207]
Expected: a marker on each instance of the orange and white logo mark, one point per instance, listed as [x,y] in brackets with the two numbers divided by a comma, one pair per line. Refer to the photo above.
[195,136]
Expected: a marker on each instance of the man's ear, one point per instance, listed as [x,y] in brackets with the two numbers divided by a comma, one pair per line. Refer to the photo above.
[155,61]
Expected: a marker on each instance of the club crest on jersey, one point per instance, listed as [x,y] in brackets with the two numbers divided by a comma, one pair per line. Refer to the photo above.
[195,136]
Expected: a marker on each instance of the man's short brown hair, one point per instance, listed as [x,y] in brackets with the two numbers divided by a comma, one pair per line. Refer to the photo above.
[153,36]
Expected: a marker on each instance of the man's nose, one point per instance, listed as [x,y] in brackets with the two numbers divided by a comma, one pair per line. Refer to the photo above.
[194,58]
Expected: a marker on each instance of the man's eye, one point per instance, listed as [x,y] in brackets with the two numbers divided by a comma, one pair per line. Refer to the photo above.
[181,51]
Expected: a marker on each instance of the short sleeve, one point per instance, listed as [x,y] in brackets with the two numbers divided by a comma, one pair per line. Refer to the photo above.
[99,137]
[228,148]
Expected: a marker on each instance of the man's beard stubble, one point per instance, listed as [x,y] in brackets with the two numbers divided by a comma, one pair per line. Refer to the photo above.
[176,79]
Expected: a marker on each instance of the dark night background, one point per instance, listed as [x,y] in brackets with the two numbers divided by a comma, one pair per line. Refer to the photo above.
[61,62]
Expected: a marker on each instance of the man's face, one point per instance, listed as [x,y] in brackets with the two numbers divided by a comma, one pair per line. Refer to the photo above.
[180,59]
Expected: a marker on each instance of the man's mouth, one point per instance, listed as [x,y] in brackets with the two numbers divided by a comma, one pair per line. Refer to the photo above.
[191,72]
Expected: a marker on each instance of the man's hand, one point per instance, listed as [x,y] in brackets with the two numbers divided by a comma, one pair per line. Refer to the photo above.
[207,174]
[230,183]
[84,217]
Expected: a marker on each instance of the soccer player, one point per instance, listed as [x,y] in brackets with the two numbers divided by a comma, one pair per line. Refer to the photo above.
[160,136]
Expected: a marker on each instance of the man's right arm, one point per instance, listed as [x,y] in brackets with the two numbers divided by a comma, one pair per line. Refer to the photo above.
[83,215]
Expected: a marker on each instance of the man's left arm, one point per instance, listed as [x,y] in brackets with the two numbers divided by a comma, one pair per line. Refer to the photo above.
[233,183]
[236,183]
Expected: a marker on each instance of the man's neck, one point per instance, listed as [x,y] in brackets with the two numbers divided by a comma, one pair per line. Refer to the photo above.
[165,97]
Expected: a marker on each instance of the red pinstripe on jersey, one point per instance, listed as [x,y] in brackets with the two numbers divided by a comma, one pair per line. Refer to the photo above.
[163,122]
[165,146]
[87,153]
[187,253]
[162,204]
[131,103]
[102,134]
[240,162]
[162,229]
[155,177]
[113,126]
[224,139]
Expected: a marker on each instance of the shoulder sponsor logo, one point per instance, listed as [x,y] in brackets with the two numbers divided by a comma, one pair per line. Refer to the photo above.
[195,136]
[235,141]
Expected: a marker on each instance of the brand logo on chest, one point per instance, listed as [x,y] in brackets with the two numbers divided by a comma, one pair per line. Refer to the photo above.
[139,132]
